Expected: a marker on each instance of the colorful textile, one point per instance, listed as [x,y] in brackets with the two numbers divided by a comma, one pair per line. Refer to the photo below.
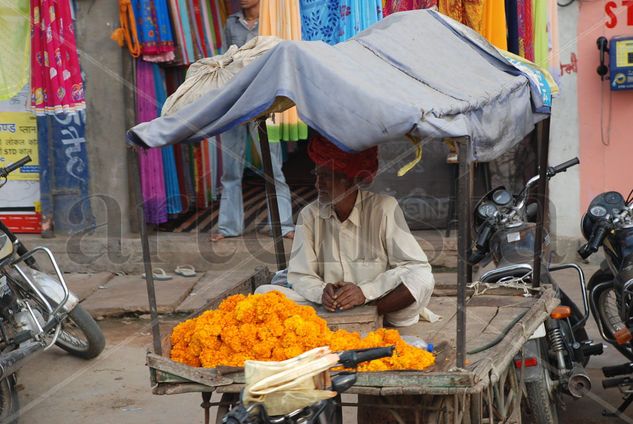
[357,16]
[554,43]
[362,164]
[154,30]
[393,6]
[526,29]
[150,160]
[493,24]
[320,20]
[56,84]
[512,18]
[468,12]
[281,18]
[14,54]
[541,38]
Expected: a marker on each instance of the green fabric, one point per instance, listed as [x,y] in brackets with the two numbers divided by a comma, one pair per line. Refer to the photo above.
[285,132]
[15,42]
[541,37]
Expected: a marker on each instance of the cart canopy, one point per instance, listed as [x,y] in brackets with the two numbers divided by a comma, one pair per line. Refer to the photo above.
[415,73]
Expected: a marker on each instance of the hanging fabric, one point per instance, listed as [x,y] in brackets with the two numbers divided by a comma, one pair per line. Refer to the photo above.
[541,38]
[154,27]
[394,6]
[127,34]
[14,54]
[554,42]
[526,29]
[493,24]
[56,84]
[512,18]
[281,18]
[357,16]
[150,160]
[468,12]
[320,20]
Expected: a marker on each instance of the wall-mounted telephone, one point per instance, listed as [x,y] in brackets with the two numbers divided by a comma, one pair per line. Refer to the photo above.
[620,69]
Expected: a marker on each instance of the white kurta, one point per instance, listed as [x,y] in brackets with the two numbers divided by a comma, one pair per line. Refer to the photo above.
[373,248]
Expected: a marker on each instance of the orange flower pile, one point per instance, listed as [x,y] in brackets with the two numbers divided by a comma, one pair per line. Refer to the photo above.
[270,327]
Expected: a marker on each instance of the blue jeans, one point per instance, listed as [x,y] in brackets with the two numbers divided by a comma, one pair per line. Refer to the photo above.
[231,220]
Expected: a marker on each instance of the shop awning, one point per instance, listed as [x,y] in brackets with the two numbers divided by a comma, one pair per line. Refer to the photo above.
[417,73]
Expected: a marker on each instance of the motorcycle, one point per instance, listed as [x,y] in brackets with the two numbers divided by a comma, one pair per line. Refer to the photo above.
[608,223]
[37,311]
[554,358]
[324,411]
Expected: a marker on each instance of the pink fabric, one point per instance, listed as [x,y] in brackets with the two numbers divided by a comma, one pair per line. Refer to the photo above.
[393,6]
[56,84]
[150,160]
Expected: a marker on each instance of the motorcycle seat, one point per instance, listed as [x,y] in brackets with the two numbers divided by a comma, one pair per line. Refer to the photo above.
[509,271]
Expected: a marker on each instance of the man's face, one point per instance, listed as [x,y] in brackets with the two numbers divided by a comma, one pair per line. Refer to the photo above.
[331,186]
[248,4]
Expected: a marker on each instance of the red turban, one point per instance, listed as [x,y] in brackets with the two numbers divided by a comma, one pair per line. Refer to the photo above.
[362,164]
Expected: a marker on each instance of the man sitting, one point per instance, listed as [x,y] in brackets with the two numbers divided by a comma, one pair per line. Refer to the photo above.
[352,246]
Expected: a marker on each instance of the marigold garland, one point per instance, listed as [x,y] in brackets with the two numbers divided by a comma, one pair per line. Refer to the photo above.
[272,327]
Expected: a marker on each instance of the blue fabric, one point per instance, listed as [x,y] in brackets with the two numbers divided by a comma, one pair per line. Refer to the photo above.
[172,189]
[186,29]
[153,24]
[357,16]
[64,177]
[373,89]
[321,20]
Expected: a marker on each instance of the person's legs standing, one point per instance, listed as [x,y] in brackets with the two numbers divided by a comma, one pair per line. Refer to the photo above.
[231,219]
[284,200]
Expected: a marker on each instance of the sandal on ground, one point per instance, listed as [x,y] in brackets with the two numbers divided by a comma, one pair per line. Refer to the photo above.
[185,270]
[159,274]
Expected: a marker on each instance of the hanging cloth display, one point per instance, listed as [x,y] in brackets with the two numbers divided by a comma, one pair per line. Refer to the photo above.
[357,16]
[281,18]
[56,84]
[512,18]
[526,29]
[541,38]
[493,24]
[468,12]
[14,54]
[127,34]
[393,6]
[320,20]
[154,30]
[552,30]
[150,160]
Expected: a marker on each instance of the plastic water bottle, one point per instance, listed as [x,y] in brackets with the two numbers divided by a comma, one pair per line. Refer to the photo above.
[418,342]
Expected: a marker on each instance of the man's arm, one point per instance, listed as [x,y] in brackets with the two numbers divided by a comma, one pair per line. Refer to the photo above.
[303,268]
[405,256]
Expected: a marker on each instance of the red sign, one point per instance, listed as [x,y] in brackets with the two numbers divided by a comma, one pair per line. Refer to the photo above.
[613,11]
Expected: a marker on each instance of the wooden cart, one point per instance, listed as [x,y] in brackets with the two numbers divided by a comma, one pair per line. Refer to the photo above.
[487,389]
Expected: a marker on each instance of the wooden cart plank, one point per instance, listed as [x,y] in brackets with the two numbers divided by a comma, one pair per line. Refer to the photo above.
[168,370]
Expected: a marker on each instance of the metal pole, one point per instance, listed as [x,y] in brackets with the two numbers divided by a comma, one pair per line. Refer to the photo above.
[271,196]
[149,275]
[542,140]
[464,271]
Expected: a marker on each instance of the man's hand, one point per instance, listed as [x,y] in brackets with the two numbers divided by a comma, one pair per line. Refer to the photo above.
[348,295]
[328,298]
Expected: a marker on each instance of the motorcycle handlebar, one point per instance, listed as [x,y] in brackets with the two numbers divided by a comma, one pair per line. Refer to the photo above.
[564,166]
[9,169]
[351,358]
[595,241]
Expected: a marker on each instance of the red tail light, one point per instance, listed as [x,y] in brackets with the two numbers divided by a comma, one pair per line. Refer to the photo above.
[528,362]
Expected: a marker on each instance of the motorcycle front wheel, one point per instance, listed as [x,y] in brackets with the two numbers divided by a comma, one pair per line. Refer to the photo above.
[9,404]
[80,335]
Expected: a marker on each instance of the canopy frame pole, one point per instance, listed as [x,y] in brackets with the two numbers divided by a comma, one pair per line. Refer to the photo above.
[271,195]
[542,142]
[464,269]
[149,274]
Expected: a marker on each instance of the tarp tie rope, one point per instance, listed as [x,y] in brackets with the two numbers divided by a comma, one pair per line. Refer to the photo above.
[418,156]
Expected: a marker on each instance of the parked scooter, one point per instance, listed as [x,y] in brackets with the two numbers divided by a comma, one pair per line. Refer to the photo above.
[608,223]
[554,358]
[37,311]
[325,411]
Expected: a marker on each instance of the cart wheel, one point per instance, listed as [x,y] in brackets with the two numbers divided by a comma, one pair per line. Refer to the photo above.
[227,402]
